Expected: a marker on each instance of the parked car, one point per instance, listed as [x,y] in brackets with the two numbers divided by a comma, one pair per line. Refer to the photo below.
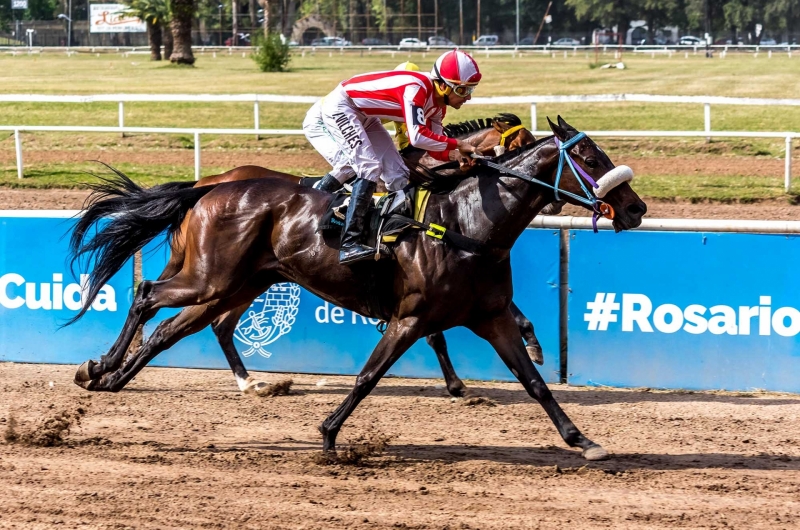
[330,41]
[243,40]
[688,40]
[440,41]
[527,41]
[566,41]
[486,40]
[411,43]
[374,42]
[768,42]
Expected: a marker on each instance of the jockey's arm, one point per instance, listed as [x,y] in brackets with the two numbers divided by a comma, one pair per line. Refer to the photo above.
[419,134]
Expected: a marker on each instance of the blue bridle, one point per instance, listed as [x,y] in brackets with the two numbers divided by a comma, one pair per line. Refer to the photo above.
[563,155]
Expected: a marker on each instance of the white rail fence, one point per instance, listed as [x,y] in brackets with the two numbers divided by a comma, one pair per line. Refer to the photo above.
[257,99]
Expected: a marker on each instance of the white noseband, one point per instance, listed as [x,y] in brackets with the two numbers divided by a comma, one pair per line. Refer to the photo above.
[612,179]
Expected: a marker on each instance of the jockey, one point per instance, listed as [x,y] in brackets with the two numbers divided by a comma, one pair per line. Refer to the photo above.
[345,127]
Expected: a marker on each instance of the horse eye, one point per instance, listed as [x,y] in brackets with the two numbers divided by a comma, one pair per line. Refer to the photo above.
[591,162]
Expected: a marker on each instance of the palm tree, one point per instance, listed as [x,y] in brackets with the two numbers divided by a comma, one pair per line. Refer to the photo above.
[182,17]
[155,14]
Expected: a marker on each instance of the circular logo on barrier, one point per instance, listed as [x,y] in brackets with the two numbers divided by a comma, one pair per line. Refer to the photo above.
[270,317]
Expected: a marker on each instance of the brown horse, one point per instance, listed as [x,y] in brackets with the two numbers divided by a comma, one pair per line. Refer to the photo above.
[484,134]
[244,237]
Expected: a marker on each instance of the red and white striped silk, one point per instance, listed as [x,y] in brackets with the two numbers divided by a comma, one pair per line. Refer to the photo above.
[407,97]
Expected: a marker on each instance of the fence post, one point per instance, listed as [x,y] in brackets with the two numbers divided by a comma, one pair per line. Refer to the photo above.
[18,147]
[533,116]
[787,178]
[256,122]
[563,308]
[707,119]
[197,156]
[122,116]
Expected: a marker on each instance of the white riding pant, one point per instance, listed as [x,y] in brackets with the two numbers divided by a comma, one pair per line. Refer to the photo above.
[354,143]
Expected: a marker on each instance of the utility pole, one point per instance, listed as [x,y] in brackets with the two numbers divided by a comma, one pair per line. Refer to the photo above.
[419,19]
[478,21]
[517,22]
[547,12]
[461,22]
[436,17]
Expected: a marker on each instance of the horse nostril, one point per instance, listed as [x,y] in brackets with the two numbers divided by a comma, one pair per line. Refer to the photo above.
[637,209]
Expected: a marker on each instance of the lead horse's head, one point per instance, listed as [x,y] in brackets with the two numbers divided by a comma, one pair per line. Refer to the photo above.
[598,184]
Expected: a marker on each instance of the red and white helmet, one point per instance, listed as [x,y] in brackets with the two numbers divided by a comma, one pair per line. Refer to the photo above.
[458,70]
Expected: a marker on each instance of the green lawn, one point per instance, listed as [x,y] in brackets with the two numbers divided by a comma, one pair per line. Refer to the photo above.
[737,75]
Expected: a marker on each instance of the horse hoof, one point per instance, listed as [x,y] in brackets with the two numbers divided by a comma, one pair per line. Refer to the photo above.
[458,391]
[83,375]
[253,386]
[595,452]
[535,353]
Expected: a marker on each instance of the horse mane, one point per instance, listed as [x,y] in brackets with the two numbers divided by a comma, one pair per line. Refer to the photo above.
[457,130]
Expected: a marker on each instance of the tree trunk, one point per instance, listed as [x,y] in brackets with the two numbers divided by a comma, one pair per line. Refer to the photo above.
[251,6]
[265,6]
[154,38]
[235,21]
[166,35]
[182,15]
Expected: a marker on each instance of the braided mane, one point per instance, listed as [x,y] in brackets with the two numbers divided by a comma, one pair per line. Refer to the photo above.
[456,130]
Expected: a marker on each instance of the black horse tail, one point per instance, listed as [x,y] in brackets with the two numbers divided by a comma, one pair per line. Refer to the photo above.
[121,218]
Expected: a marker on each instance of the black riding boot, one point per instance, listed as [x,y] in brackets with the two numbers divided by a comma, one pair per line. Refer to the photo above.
[353,248]
[329,184]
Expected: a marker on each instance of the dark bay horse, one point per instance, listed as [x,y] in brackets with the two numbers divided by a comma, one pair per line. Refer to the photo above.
[244,237]
[484,134]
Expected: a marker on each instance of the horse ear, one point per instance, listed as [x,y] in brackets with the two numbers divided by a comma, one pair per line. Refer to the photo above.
[559,131]
[500,126]
[571,131]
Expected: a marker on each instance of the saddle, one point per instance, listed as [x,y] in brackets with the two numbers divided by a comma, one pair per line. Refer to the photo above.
[390,215]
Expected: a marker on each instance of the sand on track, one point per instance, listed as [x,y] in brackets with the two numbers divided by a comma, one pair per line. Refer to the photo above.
[183,449]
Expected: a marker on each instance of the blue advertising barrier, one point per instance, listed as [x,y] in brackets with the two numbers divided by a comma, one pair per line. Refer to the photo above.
[684,310]
[38,294]
[291,330]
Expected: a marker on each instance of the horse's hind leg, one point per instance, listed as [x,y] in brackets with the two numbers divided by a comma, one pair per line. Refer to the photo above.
[503,334]
[224,327]
[526,329]
[455,386]
[190,320]
[139,313]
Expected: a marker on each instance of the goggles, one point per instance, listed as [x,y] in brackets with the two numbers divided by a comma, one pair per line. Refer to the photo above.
[461,91]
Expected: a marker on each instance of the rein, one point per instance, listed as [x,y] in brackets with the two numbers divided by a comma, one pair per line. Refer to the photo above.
[599,207]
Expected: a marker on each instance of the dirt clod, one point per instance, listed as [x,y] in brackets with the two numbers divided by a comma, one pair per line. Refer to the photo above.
[281,388]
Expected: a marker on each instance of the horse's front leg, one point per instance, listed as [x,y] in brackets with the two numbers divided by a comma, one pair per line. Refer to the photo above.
[399,336]
[455,386]
[526,329]
[503,334]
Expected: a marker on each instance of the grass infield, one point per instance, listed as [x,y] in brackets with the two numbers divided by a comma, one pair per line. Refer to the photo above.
[723,175]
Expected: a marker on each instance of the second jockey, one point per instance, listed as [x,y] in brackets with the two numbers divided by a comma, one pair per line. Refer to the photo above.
[345,128]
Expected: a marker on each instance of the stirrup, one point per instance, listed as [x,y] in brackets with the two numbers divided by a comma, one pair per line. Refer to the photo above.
[356,253]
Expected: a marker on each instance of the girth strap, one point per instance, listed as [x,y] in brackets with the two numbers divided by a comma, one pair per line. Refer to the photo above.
[454,238]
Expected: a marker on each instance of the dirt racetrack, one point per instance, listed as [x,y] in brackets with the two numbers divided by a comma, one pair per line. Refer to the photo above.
[183,449]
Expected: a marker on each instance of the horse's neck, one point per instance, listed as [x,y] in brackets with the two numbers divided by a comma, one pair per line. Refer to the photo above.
[495,209]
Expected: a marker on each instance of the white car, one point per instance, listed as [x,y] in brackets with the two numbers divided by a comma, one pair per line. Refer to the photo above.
[566,41]
[688,40]
[486,40]
[411,43]
[768,42]
[440,41]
